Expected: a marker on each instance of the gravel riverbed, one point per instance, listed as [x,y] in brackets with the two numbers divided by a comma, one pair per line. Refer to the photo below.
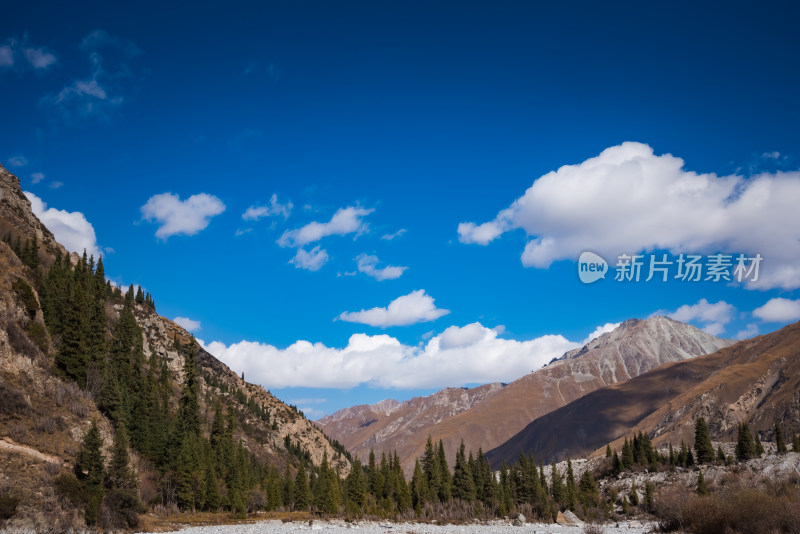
[375,527]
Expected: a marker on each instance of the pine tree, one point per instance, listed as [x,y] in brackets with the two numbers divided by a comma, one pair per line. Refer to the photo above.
[745,446]
[90,469]
[302,493]
[571,493]
[211,496]
[445,480]
[627,455]
[556,485]
[758,444]
[589,492]
[702,442]
[356,488]
[463,480]
[634,497]
[721,458]
[702,489]
[419,488]
[122,487]
[796,442]
[608,451]
[779,441]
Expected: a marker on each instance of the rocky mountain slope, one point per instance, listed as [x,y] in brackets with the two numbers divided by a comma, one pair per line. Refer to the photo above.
[44,415]
[756,380]
[495,413]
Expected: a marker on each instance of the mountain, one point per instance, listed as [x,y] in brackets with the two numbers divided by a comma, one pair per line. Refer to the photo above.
[488,416]
[756,380]
[74,350]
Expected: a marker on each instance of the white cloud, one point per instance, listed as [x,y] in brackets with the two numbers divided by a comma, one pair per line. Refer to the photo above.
[416,307]
[39,58]
[37,177]
[390,237]
[275,208]
[241,231]
[71,229]
[779,310]
[751,330]
[600,330]
[177,216]
[367,265]
[345,221]
[457,356]
[771,155]
[189,324]
[627,200]
[100,93]
[6,56]
[55,185]
[313,260]
[711,317]
[18,161]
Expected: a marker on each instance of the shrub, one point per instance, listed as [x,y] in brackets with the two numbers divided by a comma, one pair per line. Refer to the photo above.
[12,401]
[8,506]
[38,334]
[71,488]
[26,297]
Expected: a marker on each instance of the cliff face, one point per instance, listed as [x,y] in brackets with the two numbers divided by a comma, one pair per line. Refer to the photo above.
[496,413]
[43,416]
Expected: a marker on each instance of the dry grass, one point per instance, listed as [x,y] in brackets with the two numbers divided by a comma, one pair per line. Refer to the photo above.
[734,508]
[165,521]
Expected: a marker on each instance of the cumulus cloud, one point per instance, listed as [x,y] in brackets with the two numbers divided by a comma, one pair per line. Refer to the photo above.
[628,199]
[459,355]
[275,208]
[600,330]
[779,310]
[37,177]
[189,324]
[345,221]
[367,264]
[751,330]
[712,318]
[311,260]
[416,307]
[71,229]
[176,216]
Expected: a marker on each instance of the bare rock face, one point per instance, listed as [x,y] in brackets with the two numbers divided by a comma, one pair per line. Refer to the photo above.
[487,416]
[17,218]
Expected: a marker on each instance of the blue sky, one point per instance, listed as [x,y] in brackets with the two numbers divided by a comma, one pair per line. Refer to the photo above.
[271,170]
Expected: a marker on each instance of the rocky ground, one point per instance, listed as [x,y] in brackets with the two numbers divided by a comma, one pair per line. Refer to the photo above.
[373,527]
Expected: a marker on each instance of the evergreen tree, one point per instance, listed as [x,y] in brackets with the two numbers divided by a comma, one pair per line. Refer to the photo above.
[302,493]
[608,451]
[122,486]
[326,489]
[758,444]
[702,489]
[356,488]
[634,496]
[90,470]
[704,450]
[796,442]
[589,492]
[627,455]
[571,493]
[419,488]
[445,480]
[745,446]
[556,485]
[721,458]
[211,496]
[463,480]
[779,441]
